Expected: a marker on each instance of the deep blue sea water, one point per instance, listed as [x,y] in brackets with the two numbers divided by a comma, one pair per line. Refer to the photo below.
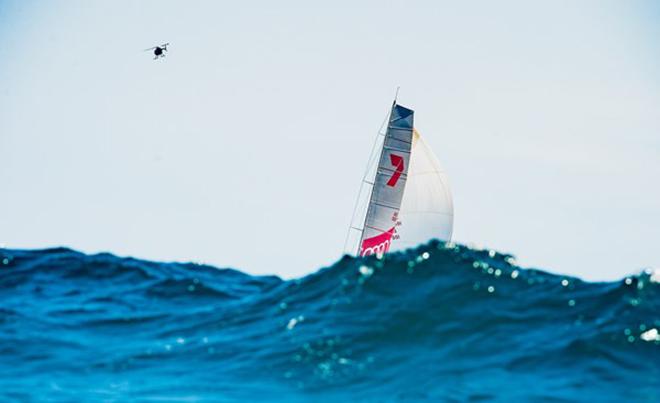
[438,323]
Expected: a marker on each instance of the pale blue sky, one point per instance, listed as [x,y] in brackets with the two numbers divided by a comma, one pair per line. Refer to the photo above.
[245,146]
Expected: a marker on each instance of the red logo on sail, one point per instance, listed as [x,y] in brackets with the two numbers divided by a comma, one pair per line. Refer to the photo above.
[377,244]
[397,161]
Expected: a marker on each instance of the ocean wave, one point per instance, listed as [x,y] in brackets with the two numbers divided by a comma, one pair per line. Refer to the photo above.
[439,322]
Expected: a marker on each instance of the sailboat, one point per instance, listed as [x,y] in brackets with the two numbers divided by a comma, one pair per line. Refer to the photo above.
[404,197]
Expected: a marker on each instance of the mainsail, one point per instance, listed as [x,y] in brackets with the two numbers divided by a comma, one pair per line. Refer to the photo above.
[408,200]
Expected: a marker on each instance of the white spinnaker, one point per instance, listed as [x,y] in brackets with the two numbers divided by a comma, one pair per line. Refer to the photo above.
[427,209]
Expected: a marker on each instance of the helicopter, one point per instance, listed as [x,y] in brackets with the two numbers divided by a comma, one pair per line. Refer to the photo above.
[159,51]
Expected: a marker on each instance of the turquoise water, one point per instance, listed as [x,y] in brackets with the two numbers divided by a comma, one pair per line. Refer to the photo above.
[439,323]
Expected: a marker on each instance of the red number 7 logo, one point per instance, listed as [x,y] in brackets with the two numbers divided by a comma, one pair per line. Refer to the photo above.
[397,161]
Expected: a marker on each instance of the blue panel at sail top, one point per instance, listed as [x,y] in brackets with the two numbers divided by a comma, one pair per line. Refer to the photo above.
[401,117]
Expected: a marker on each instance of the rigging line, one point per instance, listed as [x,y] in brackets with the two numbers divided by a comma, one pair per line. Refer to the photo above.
[373,149]
[364,177]
[364,180]
[373,189]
